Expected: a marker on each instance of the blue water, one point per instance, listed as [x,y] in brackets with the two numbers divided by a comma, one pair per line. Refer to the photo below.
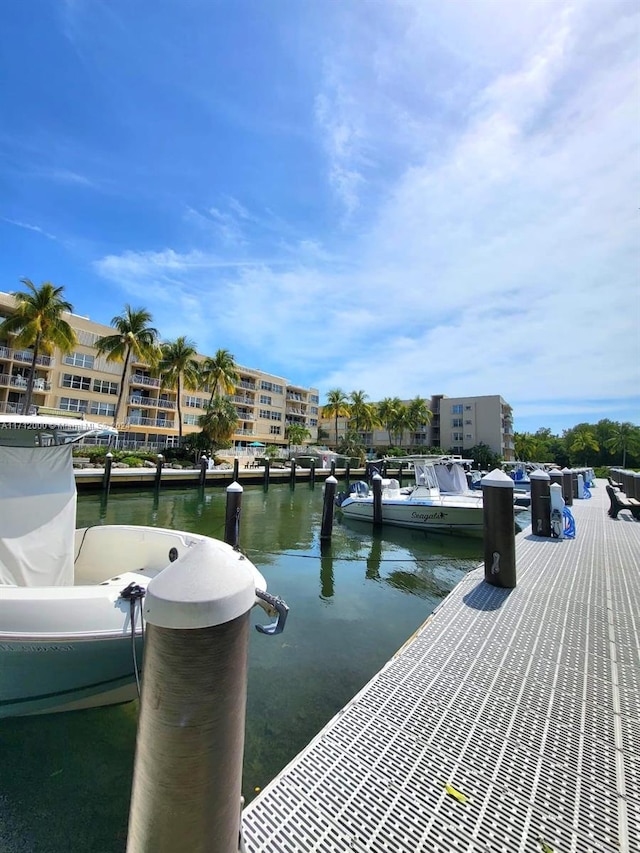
[65,779]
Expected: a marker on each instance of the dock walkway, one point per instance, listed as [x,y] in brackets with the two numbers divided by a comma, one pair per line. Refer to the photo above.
[526,703]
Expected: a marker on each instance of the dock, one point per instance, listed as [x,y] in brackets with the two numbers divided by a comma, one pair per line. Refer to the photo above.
[509,723]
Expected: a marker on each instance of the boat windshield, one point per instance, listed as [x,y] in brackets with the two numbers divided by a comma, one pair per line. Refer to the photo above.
[425,475]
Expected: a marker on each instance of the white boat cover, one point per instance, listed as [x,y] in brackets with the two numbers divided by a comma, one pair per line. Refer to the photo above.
[37,516]
[451,478]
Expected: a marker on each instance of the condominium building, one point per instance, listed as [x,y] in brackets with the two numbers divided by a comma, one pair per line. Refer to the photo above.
[458,424]
[82,382]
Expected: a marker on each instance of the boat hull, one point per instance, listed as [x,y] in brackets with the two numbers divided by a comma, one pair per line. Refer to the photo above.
[64,674]
[466,520]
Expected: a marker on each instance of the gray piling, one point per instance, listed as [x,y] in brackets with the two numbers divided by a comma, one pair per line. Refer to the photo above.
[574,484]
[312,474]
[186,792]
[556,477]
[232,514]
[106,477]
[347,473]
[236,470]
[158,478]
[400,467]
[327,507]
[292,474]
[266,475]
[540,503]
[499,530]
[636,485]
[376,486]
[567,486]
[333,467]
[204,463]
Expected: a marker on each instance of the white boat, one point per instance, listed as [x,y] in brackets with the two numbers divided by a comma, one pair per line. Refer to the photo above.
[71,600]
[439,500]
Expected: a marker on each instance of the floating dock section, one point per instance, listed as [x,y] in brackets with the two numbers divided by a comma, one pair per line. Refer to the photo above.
[509,723]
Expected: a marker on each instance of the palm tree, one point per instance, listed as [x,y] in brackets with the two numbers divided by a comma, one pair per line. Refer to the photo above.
[134,338]
[296,434]
[220,421]
[388,412]
[623,437]
[220,373]
[524,444]
[179,368]
[583,441]
[419,413]
[337,406]
[37,322]
[364,416]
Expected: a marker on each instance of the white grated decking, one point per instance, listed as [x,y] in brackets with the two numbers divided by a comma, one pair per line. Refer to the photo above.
[527,701]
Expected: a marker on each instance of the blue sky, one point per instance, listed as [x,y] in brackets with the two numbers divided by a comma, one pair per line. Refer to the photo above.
[408,197]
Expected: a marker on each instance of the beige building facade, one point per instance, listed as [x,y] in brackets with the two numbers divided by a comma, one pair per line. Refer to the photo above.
[458,424]
[86,384]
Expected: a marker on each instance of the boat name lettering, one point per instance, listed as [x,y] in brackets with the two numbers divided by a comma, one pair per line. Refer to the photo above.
[12,647]
[425,516]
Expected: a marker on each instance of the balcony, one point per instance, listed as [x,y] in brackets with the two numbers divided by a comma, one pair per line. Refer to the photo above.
[154,402]
[16,409]
[20,382]
[249,401]
[244,384]
[149,422]
[139,379]
[244,432]
[26,356]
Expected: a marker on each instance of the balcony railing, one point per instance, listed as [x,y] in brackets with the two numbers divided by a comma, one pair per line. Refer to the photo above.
[139,379]
[26,356]
[239,399]
[20,382]
[244,384]
[244,432]
[16,409]
[154,422]
[151,401]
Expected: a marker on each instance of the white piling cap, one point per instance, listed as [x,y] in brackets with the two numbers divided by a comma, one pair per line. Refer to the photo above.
[235,487]
[498,479]
[538,474]
[210,585]
[331,479]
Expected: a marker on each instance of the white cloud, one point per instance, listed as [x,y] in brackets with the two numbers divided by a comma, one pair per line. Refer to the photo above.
[486,156]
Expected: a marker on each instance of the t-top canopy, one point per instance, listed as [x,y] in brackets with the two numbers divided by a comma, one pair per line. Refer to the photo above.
[44,431]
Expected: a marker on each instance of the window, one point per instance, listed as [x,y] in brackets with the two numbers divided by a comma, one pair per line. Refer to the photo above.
[313,422]
[79,359]
[265,399]
[468,435]
[456,436]
[191,420]
[468,408]
[457,409]
[264,413]
[70,380]
[71,404]
[468,422]
[456,422]
[108,409]
[276,416]
[314,410]
[271,386]
[274,430]
[193,402]
[103,386]
[314,398]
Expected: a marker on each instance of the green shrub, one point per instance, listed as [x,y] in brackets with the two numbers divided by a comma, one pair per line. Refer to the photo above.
[132,461]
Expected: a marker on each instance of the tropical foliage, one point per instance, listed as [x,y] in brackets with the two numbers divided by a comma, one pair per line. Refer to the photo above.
[220,421]
[134,340]
[220,374]
[296,434]
[38,323]
[179,369]
[337,406]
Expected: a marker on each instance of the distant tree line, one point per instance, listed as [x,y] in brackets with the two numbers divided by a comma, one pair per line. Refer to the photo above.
[602,444]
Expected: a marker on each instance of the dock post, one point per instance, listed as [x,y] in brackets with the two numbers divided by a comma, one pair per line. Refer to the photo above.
[636,485]
[204,462]
[326,570]
[236,469]
[347,473]
[556,477]
[292,474]
[540,503]
[400,467]
[376,486]
[499,530]
[187,778]
[333,467]
[567,486]
[312,474]
[266,475]
[232,514]
[106,477]
[159,461]
[330,486]
[574,484]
